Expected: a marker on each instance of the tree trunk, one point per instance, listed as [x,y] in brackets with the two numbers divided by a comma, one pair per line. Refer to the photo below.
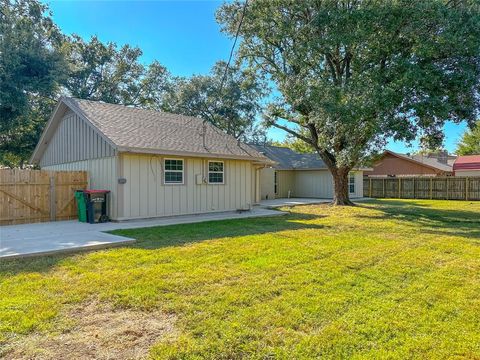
[340,188]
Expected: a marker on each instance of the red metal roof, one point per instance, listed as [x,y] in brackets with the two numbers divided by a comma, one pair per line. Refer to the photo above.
[467,162]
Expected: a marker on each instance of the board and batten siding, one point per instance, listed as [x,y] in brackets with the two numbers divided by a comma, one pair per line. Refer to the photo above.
[267,186]
[286,183]
[102,175]
[319,184]
[145,195]
[75,140]
[311,183]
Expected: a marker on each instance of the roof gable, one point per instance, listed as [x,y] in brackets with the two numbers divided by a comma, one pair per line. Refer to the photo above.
[131,129]
[52,125]
[421,160]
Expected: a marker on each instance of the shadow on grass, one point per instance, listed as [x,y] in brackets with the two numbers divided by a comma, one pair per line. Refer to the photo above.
[439,221]
[163,236]
[174,235]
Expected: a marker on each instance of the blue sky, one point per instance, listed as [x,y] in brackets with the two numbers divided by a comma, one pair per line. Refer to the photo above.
[182,35]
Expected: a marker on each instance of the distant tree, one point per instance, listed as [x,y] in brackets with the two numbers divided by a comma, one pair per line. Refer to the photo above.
[233,109]
[31,69]
[426,151]
[296,144]
[353,74]
[115,75]
[470,142]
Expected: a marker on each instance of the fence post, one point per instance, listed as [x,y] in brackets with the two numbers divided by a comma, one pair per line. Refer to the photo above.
[447,188]
[370,186]
[414,188]
[53,200]
[466,188]
[399,188]
[431,188]
[383,184]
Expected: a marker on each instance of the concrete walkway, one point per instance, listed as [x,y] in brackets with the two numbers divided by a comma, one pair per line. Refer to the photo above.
[274,203]
[50,237]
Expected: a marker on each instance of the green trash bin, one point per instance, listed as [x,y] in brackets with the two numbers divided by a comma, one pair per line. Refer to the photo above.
[81,206]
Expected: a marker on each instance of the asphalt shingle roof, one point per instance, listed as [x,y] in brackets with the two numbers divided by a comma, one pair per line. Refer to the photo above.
[288,159]
[135,128]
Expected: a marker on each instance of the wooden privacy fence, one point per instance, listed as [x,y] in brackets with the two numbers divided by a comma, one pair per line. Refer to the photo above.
[444,188]
[28,196]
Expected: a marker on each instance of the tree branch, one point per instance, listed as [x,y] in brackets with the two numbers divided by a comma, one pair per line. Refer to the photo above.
[294,133]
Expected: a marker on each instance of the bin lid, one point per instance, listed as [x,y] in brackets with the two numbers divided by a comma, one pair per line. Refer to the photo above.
[96,191]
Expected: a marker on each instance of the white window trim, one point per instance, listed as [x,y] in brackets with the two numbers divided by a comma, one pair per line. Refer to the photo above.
[216,172]
[354,183]
[181,171]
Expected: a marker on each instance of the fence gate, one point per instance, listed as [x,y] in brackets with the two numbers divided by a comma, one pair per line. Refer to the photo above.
[445,188]
[28,196]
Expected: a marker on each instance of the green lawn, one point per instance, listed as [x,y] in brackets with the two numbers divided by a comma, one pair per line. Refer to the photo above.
[387,279]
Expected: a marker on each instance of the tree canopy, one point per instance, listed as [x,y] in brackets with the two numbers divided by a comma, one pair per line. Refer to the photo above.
[296,144]
[352,74]
[31,69]
[38,64]
[470,141]
[104,72]
[232,106]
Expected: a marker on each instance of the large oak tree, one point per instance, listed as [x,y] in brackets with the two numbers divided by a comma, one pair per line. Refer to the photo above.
[353,73]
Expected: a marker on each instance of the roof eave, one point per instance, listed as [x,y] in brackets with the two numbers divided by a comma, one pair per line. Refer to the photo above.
[136,150]
[326,168]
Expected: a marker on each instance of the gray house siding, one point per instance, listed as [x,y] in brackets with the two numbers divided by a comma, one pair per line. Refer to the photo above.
[285,184]
[102,174]
[146,195]
[267,186]
[314,184]
[303,183]
[75,140]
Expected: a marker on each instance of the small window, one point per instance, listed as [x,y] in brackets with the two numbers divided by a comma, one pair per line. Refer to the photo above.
[275,182]
[173,171]
[351,183]
[215,172]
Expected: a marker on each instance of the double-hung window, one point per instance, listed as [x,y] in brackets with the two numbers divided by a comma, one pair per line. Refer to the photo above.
[173,171]
[351,183]
[215,172]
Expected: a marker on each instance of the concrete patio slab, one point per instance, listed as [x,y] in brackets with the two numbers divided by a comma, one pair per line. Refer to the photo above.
[50,237]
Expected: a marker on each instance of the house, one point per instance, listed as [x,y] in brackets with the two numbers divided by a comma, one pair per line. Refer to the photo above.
[392,164]
[300,175]
[154,163]
[468,165]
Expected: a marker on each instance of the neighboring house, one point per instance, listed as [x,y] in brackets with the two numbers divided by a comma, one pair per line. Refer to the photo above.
[468,165]
[392,164]
[300,175]
[154,163]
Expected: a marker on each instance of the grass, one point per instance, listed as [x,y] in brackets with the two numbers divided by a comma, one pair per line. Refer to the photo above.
[388,279]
